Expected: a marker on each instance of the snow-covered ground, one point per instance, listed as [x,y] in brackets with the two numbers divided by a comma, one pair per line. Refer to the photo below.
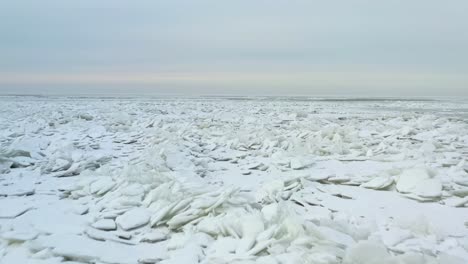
[233,180]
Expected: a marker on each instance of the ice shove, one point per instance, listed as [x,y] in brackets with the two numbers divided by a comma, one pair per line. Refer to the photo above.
[228,181]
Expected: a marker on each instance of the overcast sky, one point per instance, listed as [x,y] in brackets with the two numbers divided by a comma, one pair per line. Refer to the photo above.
[361,48]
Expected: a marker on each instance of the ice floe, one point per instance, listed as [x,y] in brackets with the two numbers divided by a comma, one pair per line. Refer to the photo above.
[214,180]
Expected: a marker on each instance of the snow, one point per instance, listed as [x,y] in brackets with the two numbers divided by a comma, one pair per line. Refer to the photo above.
[215,180]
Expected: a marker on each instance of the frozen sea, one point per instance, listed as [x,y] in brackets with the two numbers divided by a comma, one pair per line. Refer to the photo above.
[183,180]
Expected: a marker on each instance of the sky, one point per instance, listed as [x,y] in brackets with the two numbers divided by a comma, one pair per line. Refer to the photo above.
[242,47]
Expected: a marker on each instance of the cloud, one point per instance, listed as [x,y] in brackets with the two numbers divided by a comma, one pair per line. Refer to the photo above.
[359,43]
[306,83]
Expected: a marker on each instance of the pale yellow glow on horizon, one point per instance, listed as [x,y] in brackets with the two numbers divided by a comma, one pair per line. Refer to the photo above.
[252,79]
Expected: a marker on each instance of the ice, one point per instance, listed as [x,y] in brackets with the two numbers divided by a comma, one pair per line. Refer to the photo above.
[419,185]
[17,191]
[410,179]
[368,252]
[107,236]
[133,218]
[12,209]
[215,180]
[101,186]
[297,164]
[431,188]
[105,224]
[378,183]
[154,236]
[82,249]
[19,236]
[336,236]
[456,201]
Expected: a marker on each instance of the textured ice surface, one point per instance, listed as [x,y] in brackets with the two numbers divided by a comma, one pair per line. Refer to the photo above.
[223,180]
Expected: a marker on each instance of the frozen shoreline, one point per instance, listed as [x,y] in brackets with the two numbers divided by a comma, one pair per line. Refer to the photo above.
[128,180]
